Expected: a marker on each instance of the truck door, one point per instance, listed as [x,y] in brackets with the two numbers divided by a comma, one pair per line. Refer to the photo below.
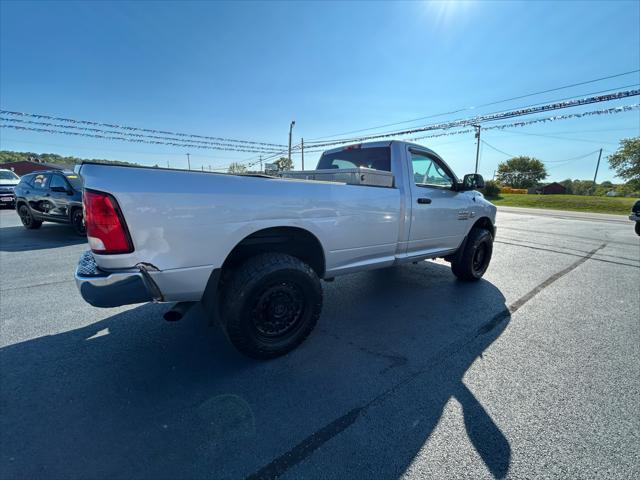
[439,214]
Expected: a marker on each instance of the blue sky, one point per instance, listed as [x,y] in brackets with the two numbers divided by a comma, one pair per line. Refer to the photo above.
[245,70]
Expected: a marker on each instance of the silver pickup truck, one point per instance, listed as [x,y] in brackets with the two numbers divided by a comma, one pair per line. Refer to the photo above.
[253,248]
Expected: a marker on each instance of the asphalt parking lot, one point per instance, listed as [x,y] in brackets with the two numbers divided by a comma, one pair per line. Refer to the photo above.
[532,372]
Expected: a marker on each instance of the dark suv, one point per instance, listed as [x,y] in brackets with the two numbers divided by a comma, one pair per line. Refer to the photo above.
[50,196]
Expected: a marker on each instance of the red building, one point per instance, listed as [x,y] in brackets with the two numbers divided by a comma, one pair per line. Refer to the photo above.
[25,166]
[553,188]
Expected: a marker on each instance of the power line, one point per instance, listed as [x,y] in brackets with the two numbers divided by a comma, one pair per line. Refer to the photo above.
[572,158]
[559,138]
[482,105]
[497,149]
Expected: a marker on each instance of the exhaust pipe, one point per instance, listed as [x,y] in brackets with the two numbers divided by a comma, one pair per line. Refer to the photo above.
[178,311]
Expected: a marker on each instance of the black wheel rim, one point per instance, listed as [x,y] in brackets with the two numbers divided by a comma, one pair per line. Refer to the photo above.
[479,257]
[278,310]
[25,216]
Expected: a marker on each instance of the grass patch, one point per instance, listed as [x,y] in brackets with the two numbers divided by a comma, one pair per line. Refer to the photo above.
[578,203]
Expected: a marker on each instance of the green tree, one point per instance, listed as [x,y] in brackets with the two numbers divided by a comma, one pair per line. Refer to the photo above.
[284,163]
[626,160]
[583,187]
[491,188]
[521,172]
[236,167]
[568,184]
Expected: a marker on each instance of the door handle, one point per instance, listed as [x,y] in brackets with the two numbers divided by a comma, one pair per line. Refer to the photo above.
[424,200]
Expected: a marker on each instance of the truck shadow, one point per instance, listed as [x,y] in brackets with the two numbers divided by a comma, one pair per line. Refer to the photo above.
[50,235]
[135,397]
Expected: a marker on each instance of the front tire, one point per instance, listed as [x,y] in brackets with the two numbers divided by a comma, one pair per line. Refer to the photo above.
[270,305]
[472,261]
[26,216]
[637,228]
[77,220]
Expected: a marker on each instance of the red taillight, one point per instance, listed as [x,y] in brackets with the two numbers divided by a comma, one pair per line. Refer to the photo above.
[106,230]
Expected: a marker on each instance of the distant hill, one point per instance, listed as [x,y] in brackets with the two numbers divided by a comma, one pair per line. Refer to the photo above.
[53,158]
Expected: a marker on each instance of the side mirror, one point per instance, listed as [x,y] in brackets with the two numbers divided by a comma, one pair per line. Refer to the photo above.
[472,181]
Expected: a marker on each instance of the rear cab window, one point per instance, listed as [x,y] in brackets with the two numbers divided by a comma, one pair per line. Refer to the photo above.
[377,158]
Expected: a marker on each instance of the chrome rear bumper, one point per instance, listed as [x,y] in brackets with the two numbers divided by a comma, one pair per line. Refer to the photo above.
[113,289]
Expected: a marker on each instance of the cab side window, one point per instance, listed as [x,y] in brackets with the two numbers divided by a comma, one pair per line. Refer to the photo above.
[428,173]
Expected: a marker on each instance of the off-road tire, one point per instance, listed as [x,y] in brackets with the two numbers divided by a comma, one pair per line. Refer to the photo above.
[472,261]
[26,216]
[270,304]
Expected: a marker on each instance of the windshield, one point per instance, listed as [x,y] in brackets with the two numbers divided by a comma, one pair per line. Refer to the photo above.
[8,175]
[378,158]
[75,181]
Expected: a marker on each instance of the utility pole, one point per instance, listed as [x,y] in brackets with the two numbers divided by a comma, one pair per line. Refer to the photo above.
[202,167]
[293,122]
[260,162]
[189,160]
[477,127]
[597,166]
[168,164]
[302,146]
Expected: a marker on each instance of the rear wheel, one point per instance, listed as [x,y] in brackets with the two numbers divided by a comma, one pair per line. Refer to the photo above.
[270,304]
[637,228]
[26,216]
[473,259]
[77,220]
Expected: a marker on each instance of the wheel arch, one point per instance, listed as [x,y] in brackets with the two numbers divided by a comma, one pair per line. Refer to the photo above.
[486,224]
[295,241]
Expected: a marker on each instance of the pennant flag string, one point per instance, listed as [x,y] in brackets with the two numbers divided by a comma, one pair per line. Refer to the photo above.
[486,118]
[133,129]
[128,134]
[126,139]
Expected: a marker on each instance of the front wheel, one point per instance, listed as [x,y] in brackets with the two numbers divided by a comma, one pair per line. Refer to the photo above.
[270,305]
[472,261]
[27,218]
[77,220]
[637,228]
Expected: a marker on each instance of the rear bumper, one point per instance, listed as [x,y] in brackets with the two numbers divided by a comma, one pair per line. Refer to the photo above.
[113,289]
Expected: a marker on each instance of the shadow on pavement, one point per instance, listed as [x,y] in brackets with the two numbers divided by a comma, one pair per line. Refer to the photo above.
[132,396]
[50,235]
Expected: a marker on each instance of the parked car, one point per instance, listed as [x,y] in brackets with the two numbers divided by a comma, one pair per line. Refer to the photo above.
[254,248]
[635,216]
[8,182]
[50,196]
